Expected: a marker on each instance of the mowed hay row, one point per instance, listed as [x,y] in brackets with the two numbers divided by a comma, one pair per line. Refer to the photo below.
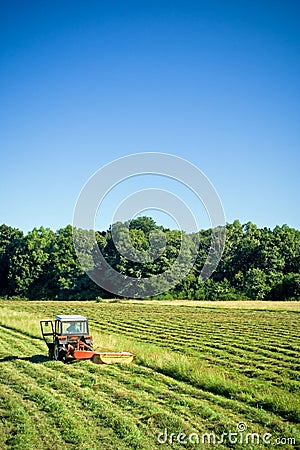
[69,401]
[259,357]
[274,357]
[128,406]
[202,376]
[43,389]
[215,343]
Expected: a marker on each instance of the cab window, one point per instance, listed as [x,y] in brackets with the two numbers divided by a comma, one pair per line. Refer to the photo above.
[74,327]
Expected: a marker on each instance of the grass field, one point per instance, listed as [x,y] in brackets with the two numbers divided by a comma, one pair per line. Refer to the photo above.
[210,369]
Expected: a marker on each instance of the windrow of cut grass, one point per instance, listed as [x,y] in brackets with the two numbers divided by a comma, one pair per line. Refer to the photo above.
[185,378]
[265,305]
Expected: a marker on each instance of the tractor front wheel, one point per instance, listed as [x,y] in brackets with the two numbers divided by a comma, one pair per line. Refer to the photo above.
[58,354]
[51,351]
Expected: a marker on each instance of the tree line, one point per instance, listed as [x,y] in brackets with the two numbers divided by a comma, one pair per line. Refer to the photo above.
[257,263]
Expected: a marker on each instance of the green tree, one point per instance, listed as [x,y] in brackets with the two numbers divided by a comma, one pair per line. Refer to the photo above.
[288,288]
[144,223]
[29,260]
[66,269]
[8,236]
[256,286]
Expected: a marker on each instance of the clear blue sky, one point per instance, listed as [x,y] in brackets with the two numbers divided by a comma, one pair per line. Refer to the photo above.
[85,82]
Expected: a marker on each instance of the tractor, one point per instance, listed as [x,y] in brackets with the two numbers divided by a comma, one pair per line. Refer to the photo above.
[68,336]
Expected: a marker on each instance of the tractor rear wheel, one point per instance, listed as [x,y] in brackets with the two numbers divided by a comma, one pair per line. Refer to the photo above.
[51,351]
[58,354]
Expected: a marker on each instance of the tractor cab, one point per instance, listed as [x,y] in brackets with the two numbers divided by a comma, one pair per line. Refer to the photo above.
[70,325]
[65,333]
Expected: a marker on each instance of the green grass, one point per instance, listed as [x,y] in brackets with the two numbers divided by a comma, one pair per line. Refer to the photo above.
[201,370]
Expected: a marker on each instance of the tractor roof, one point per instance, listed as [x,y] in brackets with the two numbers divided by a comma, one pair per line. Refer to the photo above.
[70,318]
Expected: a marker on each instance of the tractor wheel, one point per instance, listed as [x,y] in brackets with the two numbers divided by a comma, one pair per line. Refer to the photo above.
[58,354]
[51,352]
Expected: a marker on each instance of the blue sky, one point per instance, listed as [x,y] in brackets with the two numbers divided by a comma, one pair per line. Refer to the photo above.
[214,82]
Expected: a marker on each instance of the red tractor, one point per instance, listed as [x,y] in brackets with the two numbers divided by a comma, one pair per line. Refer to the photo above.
[68,336]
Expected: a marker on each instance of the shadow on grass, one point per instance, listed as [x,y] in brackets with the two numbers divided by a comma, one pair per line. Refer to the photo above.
[34,359]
